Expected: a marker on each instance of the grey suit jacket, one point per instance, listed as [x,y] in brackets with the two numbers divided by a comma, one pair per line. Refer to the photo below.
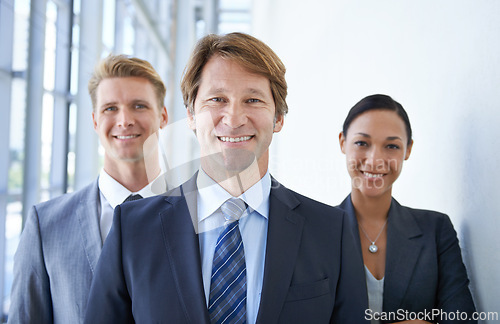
[424,268]
[55,261]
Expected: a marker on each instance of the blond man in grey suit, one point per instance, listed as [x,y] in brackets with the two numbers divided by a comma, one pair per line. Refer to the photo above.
[63,237]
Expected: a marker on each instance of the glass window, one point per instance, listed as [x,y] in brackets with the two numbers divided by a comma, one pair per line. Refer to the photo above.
[234,15]
[147,31]
[13,213]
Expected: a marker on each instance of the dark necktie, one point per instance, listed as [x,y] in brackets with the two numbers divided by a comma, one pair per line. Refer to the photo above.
[228,287]
[132,198]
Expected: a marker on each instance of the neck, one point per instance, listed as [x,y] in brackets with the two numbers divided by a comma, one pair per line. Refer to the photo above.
[371,208]
[238,182]
[133,175]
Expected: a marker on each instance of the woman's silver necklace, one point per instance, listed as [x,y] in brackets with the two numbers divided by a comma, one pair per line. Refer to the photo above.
[373,248]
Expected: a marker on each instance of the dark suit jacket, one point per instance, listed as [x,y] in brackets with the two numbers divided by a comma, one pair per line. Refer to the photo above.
[424,268]
[150,268]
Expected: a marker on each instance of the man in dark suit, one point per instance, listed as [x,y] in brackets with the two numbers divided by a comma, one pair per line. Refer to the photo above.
[231,245]
[63,237]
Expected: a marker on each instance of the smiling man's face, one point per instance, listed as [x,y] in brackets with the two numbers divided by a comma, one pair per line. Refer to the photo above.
[125,116]
[234,117]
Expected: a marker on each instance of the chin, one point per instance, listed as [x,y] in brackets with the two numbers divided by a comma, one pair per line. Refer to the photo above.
[131,157]
[373,192]
[237,166]
[238,160]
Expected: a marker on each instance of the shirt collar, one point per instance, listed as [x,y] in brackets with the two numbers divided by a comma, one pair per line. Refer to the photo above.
[211,195]
[115,193]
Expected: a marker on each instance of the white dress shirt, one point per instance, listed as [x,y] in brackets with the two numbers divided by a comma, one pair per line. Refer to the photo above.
[253,227]
[112,193]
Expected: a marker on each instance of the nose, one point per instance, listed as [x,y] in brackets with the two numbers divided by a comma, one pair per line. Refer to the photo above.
[234,115]
[374,158]
[125,118]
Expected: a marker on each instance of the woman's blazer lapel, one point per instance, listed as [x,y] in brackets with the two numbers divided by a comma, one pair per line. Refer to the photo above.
[404,246]
[352,224]
[403,250]
[353,230]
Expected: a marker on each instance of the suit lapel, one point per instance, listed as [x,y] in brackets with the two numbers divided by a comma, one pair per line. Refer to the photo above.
[183,250]
[353,230]
[403,250]
[352,223]
[283,241]
[87,214]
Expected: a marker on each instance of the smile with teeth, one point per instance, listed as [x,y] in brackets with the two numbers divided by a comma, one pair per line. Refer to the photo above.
[373,175]
[126,136]
[234,139]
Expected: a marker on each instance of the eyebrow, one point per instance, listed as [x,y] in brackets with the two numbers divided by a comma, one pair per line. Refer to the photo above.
[140,101]
[256,91]
[250,91]
[107,104]
[216,90]
[133,101]
[389,138]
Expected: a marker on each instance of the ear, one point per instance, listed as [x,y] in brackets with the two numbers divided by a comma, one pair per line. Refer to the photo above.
[163,117]
[94,121]
[191,119]
[278,124]
[342,142]
[408,150]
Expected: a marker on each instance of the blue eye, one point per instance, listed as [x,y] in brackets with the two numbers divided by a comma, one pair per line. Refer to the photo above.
[140,106]
[253,100]
[112,108]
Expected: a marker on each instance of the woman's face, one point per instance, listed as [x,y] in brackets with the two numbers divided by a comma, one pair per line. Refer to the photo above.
[375,148]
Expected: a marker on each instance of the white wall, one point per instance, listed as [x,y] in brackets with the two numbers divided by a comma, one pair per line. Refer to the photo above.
[441,61]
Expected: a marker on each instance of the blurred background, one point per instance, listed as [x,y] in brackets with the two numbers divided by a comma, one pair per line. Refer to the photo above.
[439,58]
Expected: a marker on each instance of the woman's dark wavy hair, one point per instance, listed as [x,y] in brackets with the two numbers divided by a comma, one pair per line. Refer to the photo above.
[377,102]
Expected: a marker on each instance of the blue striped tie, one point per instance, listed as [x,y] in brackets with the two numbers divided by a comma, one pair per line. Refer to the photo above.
[228,287]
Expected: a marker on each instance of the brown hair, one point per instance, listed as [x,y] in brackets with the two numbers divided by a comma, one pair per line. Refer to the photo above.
[121,66]
[243,49]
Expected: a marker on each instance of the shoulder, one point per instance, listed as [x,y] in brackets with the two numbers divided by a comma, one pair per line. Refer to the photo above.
[56,220]
[312,203]
[303,203]
[150,217]
[171,202]
[425,215]
[135,211]
[427,220]
[61,203]
[146,204]
[321,225]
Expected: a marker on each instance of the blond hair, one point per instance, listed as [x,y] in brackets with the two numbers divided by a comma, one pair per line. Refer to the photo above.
[121,66]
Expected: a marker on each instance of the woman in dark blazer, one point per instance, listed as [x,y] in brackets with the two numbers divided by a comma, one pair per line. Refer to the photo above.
[412,261]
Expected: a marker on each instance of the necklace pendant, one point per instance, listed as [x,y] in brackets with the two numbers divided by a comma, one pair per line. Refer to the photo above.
[373,248]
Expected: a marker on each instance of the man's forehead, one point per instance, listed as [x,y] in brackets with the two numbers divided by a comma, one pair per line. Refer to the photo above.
[113,94]
[247,90]
[218,65]
[137,86]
